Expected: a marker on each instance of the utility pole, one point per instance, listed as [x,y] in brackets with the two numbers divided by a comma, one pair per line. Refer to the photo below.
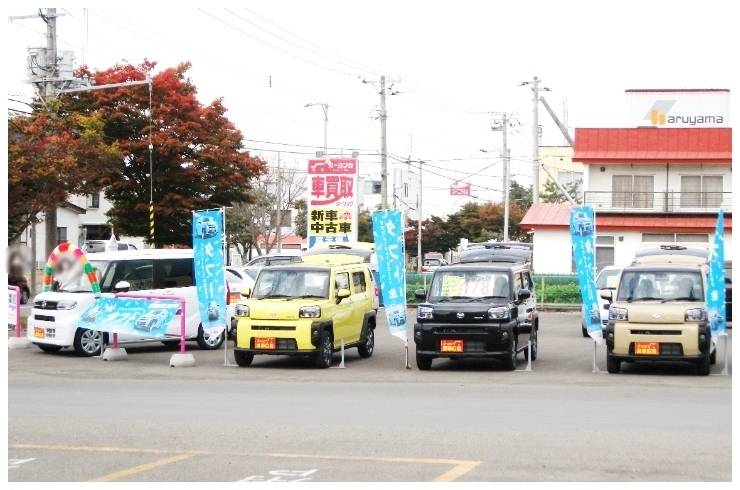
[50,220]
[505,157]
[278,198]
[535,143]
[418,231]
[383,143]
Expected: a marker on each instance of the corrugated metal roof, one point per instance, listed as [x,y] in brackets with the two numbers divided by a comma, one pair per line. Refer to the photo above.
[555,216]
[653,145]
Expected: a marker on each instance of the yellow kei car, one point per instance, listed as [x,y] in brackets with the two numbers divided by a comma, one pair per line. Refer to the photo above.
[307,308]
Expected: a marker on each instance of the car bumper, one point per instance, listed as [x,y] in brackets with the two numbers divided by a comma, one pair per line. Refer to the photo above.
[278,352]
[58,332]
[463,355]
[479,340]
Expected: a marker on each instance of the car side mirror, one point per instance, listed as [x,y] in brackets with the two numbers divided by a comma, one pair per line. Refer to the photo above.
[122,287]
[420,294]
[524,294]
[341,294]
[246,292]
[606,294]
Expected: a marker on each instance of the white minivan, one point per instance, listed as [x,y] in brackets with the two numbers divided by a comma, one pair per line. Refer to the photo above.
[52,323]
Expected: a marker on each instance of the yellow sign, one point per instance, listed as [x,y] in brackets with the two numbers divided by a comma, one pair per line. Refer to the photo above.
[452,285]
[330,221]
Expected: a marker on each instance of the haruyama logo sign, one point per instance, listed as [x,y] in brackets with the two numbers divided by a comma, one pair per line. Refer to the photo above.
[660,115]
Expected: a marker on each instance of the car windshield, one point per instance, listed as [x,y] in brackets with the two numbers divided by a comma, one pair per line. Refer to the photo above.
[292,284]
[469,286]
[607,279]
[78,282]
[660,286]
[251,271]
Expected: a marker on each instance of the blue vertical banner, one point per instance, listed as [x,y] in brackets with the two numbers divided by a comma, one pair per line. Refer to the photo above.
[582,233]
[389,250]
[210,281]
[716,306]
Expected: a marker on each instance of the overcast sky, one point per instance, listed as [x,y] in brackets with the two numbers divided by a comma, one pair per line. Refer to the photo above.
[457,64]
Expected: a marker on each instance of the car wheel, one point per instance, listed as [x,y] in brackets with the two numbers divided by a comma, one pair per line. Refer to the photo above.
[49,348]
[424,363]
[510,359]
[209,342]
[702,368]
[584,331]
[713,357]
[325,351]
[243,359]
[171,343]
[534,347]
[25,295]
[612,365]
[88,343]
[366,350]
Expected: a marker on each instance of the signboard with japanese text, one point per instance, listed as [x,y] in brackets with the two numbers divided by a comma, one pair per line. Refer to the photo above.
[332,202]
[460,189]
[582,233]
[131,316]
[716,306]
[389,244]
[13,304]
[208,259]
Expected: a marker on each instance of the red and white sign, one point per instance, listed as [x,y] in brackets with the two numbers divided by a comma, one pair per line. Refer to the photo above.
[332,200]
[461,189]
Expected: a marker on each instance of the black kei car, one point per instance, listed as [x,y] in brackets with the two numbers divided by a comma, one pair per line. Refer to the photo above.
[477,310]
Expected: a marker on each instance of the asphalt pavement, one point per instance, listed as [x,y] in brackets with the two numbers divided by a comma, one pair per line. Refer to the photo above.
[79,419]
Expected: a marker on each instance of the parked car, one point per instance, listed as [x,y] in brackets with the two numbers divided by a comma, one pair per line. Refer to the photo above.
[431,265]
[273,259]
[96,246]
[22,283]
[504,252]
[477,310]
[307,309]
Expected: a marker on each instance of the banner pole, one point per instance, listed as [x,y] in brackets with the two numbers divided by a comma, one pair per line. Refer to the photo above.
[408,366]
[724,370]
[529,355]
[596,368]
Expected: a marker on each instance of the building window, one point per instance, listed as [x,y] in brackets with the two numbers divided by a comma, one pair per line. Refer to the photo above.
[61,235]
[93,200]
[675,237]
[633,191]
[567,178]
[372,187]
[701,191]
[604,251]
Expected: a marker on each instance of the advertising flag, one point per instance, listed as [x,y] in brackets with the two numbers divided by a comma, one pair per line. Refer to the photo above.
[582,234]
[210,280]
[389,250]
[12,306]
[716,306]
[133,316]
[332,203]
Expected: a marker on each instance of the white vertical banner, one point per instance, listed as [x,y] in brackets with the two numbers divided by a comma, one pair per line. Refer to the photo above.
[332,200]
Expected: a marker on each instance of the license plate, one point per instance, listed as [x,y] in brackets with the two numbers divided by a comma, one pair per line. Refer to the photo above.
[647,348]
[260,343]
[38,332]
[451,346]
[234,297]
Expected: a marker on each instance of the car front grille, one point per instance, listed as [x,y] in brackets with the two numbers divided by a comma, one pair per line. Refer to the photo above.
[43,318]
[45,305]
[51,333]
[272,327]
[280,344]
[655,332]
[475,346]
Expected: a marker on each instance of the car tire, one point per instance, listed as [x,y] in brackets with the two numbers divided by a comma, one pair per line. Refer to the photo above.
[171,343]
[325,351]
[424,363]
[510,359]
[612,365]
[703,366]
[49,348]
[25,296]
[88,343]
[534,347]
[366,350]
[243,359]
[584,331]
[207,343]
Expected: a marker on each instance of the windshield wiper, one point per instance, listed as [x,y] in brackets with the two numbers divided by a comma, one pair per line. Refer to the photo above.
[275,296]
[452,298]
[683,298]
[305,296]
[482,298]
[648,298]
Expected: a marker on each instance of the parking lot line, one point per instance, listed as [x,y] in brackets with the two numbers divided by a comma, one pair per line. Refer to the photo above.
[460,467]
[143,467]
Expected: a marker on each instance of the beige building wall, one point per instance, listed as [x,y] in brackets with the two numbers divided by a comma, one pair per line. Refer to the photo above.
[558,159]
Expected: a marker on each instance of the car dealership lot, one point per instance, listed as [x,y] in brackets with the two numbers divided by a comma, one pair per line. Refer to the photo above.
[73,418]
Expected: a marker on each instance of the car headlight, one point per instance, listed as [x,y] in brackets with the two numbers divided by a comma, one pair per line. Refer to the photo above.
[500,313]
[66,305]
[619,314]
[309,312]
[241,310]
[425,313]
[696,315]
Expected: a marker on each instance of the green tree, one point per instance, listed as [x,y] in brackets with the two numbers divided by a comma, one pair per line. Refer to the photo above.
[553,194]
[520,195]
[301,218]
[365,226]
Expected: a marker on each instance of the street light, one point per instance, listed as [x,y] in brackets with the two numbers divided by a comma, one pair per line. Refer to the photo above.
[456,200]
[325,106]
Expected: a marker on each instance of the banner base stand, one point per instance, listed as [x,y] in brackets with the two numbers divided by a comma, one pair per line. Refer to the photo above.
[113,354]
[408,366]
[341,364]
[182,360]
[18,343]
